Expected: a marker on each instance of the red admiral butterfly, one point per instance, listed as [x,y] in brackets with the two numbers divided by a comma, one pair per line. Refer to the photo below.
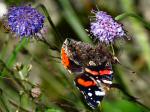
[92,66]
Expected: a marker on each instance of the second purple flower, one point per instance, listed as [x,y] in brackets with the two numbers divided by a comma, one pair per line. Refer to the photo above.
[105,28]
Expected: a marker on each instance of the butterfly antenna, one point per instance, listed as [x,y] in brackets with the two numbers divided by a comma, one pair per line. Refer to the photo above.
[124,66]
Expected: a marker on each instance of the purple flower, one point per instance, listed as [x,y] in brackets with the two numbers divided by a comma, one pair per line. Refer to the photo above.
[105,28]
[25,20]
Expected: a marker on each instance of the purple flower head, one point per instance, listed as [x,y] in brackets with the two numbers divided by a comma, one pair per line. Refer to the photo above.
[105,28]
[25,20]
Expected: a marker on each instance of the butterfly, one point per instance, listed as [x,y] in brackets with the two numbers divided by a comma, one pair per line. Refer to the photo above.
[92,68]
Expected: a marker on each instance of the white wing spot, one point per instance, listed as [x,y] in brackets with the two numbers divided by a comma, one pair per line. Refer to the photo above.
[98,102]
[89,89]
[98,81]
[107,82]
[90,94]
[92,63]
[99,93]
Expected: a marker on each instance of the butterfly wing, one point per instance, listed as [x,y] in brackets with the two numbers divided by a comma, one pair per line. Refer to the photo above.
[93,94]
[70,65]
[85,54]
[102,73]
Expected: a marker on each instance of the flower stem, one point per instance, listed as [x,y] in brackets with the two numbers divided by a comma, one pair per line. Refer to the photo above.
[58,36]
[16,51]
[113,51]
[13,56]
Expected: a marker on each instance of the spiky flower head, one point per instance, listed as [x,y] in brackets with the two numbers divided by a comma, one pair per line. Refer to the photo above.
[105,28]
[25,21]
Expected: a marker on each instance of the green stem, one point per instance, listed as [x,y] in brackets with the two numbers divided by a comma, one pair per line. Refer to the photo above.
[73,20]
[124,15]
[2,100]
[113,51]
[13,56]
[58,36]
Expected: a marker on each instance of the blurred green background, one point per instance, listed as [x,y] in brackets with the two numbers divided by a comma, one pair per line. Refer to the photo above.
[58,93]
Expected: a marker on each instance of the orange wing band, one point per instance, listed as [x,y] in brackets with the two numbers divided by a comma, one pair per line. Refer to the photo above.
[105,72]
[65,59]
[91,72]
[85,83]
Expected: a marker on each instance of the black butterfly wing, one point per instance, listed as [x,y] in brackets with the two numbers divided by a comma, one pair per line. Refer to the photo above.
[93,94]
